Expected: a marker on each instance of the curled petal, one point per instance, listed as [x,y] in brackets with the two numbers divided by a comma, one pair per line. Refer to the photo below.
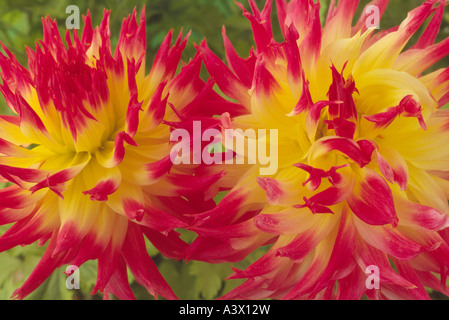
[389,240]
[113,153]
[102,190]
[412,213]
[370,256]
[360,151]
[372,199]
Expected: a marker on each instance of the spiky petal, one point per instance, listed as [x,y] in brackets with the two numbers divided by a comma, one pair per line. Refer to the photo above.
[99,177]
[363,169]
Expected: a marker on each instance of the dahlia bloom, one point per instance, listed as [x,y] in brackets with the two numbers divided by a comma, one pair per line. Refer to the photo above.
[87,153]
[363,168]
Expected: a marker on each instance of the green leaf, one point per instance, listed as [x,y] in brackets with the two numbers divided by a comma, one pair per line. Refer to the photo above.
[7,289]
[209,277]
[177,275]
[15,266]
[8,265]
[88,277]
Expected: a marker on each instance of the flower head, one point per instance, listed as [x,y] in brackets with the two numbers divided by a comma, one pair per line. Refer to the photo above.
[87,153]
[363,156]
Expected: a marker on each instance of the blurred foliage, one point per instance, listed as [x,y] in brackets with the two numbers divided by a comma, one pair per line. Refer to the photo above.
[20,26]
[190,281]
[20,22]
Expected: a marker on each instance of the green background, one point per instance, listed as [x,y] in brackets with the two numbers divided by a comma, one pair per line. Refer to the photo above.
[20,26]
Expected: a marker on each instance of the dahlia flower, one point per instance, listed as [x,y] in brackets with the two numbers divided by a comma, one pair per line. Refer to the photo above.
[363,170]
[87,153]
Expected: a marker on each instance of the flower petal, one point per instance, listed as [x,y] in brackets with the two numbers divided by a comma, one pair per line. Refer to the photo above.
[372,199]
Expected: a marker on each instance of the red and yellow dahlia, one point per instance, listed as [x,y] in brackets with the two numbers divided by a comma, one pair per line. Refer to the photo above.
[363,168]
[87,153]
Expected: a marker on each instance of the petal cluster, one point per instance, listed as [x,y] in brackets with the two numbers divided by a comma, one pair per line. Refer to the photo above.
[87,153]
[362,172]
[363,167]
